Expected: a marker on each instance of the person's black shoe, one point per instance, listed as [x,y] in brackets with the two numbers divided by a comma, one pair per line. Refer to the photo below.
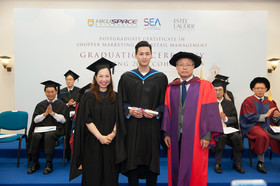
[260,167]
[218,168]
[239,169]
[48,169]
[35,166]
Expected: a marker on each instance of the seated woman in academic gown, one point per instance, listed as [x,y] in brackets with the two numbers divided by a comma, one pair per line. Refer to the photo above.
[50,112]
[96,129]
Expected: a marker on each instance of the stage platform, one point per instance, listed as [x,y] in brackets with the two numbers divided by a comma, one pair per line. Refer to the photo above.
[10,175]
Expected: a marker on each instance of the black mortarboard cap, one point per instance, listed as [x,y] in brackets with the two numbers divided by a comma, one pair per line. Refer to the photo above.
[101,63]
[218,82]
[82,90]
[50,83]
[260,80]
[196,59]
[71,73]
[221,77]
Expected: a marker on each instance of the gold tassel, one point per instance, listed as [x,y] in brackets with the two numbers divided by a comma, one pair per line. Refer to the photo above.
[270,96]
[201,70]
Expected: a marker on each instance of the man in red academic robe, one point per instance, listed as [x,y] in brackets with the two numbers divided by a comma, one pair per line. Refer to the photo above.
[256,115]
[191,121]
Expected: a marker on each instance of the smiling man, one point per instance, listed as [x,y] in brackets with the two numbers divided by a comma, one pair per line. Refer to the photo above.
[190,122]
[49,112]
[229,119]
[256,115]
[143,88]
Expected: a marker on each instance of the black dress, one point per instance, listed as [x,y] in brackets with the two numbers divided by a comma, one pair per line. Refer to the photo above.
[98,161]
[142,136]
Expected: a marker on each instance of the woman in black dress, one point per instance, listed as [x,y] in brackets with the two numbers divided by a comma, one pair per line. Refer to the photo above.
[94,137]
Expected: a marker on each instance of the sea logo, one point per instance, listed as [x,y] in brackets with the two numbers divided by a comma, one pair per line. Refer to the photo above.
[90,22]
[152,24]
[183,24]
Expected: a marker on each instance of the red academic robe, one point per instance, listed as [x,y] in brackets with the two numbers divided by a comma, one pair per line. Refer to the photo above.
[201,115]
[258,132]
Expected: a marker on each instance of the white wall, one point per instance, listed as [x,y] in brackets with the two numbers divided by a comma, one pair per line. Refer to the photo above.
[7,100]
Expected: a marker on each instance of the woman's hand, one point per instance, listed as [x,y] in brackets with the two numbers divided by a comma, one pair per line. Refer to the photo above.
[104,140]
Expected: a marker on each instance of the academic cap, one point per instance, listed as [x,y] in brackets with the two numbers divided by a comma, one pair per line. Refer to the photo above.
[101,63]
[260,80]
[71,73]
[218,82]
[82,90]
[196,59]
[221,77]
[50,83]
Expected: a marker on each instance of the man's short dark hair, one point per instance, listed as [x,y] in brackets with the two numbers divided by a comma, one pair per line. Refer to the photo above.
[142,44]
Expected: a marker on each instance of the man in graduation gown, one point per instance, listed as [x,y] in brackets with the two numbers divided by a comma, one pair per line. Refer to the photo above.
[190,122]
[228,94]
[70,95]
[49,112]
[143,88]
[256,115]
[229,119]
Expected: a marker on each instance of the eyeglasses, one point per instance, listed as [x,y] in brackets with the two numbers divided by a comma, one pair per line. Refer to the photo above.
[219,90]
[184,65]
[260,88]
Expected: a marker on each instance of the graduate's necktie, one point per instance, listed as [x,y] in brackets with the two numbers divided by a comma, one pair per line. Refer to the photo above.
[184,92]
[261,107]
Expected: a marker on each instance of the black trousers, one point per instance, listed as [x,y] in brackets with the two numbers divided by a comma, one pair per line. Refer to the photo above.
[44,141]
[234,140]
[140,173]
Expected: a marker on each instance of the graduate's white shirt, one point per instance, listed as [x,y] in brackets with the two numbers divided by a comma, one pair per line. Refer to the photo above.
[222,110]
[58,117]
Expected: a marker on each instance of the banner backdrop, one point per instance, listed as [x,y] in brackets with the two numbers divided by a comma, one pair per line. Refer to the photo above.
[48,42]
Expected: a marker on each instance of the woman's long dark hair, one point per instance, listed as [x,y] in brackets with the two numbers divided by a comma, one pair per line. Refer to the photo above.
[111,95]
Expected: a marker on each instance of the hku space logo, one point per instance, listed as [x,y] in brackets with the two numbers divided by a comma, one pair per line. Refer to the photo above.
[90,22]
[113,23]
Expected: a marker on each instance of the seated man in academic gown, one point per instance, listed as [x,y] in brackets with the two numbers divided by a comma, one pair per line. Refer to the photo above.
[49,112]
[229,119]
[228,94]
[257,114]
[70,95]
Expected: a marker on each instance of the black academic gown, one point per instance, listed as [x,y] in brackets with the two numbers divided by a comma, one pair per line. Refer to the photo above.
[142,136]
[233,139]
[98,161]
[58,107]
[66,96]
[230,95]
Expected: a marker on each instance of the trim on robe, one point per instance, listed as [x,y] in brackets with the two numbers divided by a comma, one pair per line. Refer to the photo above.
[144,77]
